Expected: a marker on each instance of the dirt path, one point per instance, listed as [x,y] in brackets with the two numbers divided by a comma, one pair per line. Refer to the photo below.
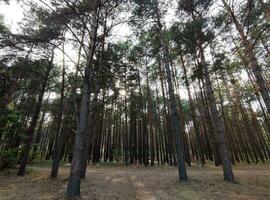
[140,183]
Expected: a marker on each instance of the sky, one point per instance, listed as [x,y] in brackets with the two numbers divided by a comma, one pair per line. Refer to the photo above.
[13,13]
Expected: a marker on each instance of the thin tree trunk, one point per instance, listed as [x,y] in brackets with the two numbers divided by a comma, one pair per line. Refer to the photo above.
[30,133]
[218,124]
[193,114]
[74,182]
[251,57]
[60,135]
[89,135]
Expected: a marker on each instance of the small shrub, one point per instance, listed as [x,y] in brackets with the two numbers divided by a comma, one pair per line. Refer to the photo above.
[7,159]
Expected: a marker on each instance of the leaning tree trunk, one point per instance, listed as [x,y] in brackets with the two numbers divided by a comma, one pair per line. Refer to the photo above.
[60,134]
[32,127]
[38,135]
[175,118]
[217,124]
[74,182]
[251,57]
[89,135]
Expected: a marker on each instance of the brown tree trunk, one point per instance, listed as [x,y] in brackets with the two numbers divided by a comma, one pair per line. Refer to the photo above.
[251,57]
[218,123]
[60,135]
[30,133]
[193,114]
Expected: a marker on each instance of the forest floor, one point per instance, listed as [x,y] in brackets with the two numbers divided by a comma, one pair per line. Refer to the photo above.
[139,183]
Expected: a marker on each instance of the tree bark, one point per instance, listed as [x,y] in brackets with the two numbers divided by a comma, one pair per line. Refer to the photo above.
[30,133]
[218,124]
[251,57]
[74,181]
[193,114]
[60,134]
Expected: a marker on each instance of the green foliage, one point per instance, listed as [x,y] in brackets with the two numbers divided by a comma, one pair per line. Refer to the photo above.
[219,19]
[8,120]
[3,28]
[117,154]
[186,36]
[186,109]
[8,158]
[144,10]
[11,116]
[197,73]
[191,6]
[219,62]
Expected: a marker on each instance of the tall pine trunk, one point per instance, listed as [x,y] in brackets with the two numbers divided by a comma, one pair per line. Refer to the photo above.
[60,134]
[193,114]
[218,123]
[251,57]
[74,182]
[30,133]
